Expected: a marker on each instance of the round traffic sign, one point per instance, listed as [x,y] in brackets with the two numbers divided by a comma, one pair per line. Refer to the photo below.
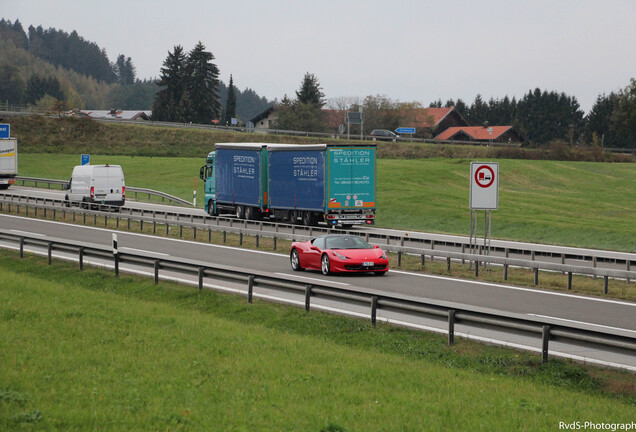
[484,176]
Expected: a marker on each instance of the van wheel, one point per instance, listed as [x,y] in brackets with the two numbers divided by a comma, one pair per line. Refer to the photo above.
[240,212]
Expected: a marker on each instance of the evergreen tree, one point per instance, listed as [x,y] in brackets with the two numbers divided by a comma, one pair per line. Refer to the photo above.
[598,127]
[125,70]
[37,87]
[624,117]
[167,105]
[11,84]
[230,104]
[310,91]
[201,97]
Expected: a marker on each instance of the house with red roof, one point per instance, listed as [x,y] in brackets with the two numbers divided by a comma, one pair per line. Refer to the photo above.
[485,133]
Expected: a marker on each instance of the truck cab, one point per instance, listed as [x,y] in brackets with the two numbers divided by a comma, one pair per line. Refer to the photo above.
[206,173]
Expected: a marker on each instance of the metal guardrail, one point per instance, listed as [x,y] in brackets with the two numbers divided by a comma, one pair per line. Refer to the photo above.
[211,224]
[150,192]
[534,251]
[375,300]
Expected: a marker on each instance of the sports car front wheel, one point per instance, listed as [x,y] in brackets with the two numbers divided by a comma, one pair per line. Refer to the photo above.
[325,265]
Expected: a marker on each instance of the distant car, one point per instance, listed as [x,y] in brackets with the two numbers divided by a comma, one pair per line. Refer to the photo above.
[338,253]
[385,135]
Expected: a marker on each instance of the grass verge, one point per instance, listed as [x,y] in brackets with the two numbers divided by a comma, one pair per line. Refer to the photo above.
[89,351]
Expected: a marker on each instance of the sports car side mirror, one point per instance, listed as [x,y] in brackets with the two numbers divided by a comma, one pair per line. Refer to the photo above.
[314,248]
[376,247]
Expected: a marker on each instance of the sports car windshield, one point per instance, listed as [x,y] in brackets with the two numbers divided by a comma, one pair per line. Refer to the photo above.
[349,242]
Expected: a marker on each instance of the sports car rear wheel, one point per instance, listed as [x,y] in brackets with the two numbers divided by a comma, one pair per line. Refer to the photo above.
[325,267]
[294,260]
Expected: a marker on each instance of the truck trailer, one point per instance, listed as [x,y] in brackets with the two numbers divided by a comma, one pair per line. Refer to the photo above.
[308,183]
[8,162]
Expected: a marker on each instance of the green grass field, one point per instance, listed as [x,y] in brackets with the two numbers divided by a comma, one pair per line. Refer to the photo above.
[88,351]
[584,204]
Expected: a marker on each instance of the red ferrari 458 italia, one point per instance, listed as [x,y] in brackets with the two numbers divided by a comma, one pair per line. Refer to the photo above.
[338,253]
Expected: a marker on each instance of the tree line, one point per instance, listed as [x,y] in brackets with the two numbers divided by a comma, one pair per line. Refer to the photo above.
[48,68]
[543,117]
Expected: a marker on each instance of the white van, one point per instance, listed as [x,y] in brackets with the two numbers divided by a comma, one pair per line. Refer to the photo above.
[96,184]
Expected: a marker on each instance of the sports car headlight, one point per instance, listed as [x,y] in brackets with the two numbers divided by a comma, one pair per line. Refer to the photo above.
[342,257]
[383,256]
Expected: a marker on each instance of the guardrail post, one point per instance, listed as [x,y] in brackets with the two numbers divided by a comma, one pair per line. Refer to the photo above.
[116,264]
[154,226]
[545,339]
[194,232]
[451,327]
[536,275]
[105,220]
[50,249]
[156,268]
[180,231]
[628,265]
[505,275]
[81,257]
[167,229]
[605,284]
[257,240]
[240,239]
[21,247]
[200,278]
[423,259]
[307,297]
[224,236]
[275,238]
[209,235]
[399,263]
[476,268]
[448,262]
[141,224]
[569,280]
[250,288]
[374,309]
[463,251]
[594,264]
[95,219]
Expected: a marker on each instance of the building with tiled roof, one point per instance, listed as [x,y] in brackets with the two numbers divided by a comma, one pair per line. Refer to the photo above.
[483,133]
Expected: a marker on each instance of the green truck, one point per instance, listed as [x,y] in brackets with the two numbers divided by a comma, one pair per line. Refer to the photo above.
[312,183]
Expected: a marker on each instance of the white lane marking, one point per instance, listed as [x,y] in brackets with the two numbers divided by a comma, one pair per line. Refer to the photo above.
[496,285]
[142,250]
[309,278]
[27,233]
[582,322]
[393,271]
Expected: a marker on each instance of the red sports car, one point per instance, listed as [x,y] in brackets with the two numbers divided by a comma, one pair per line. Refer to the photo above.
[338,253]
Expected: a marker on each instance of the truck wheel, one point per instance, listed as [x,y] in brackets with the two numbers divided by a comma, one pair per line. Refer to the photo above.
[240,212]
[308,219]
[251,213]
[293,217]
[325,265]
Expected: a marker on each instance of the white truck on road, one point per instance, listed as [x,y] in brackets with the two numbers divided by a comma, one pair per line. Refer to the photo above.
[8,162]
[96,185]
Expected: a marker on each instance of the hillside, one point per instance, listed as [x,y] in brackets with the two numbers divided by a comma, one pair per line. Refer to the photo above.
[39,134]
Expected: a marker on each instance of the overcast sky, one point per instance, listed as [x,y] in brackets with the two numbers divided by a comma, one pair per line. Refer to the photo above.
[407,50]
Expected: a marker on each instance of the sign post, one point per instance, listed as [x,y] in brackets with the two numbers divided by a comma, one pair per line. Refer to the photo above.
[484,195]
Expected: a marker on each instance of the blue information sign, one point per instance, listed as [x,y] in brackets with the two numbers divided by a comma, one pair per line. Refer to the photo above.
[86,159]
[5,131]
[405,130]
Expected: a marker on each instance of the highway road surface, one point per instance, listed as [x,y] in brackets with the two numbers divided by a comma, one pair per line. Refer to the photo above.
[553,307]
